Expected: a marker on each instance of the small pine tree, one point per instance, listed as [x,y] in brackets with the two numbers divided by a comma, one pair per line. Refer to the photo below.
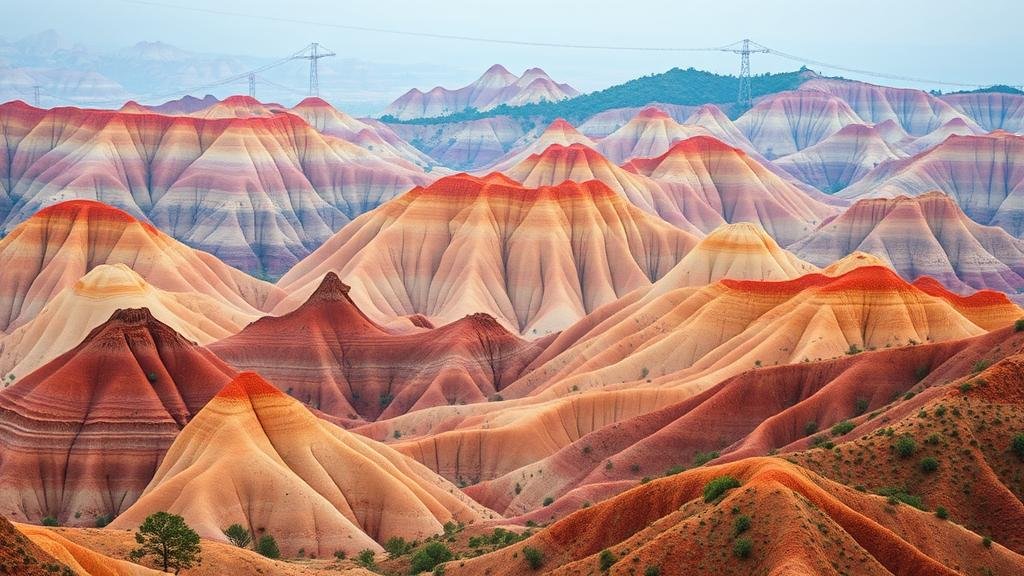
[238,535]
[170,539]
[267,546]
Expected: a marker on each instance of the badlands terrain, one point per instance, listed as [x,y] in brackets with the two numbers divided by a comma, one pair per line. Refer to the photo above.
[508,328]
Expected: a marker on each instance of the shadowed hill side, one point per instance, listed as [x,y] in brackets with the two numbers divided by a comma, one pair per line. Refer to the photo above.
[82,435]
[329,355]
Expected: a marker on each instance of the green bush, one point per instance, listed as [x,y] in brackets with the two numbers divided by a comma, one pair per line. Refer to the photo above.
[1018,326]
[238,535]
[429,556]
[980,366]
[741,525]
[714,489]
[340,554]
[652,570]
[1017,445]
[900,495]
[366,558]
[50,521]
[702,458]
[941,513]
[606,559]
[534,557]
[929,465]
[986,542]
[102,520]
[267,546]
[810,428]
[906,446]
[397,546]
[742,548]
[549,501]
[841,428]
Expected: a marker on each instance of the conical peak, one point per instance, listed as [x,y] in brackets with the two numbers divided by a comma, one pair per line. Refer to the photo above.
[248,386]
[313,102]
[653,113]
[331,289]
[557,150]
[560,125]
[739,236]
[110,280]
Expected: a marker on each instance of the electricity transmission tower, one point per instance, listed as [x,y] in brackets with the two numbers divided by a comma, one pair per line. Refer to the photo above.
[35,96]
[252,85]
[313,52]
[745,48]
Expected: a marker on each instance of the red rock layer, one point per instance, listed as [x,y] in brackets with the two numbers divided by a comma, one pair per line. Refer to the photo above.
[331,357]
[82,435]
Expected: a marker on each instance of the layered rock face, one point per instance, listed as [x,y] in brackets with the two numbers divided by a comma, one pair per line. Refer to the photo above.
[371,135]
[330,356]
[558,132]
[991,110]
[77,309]
[259,192]
[984,174]
[535,259]
[927,235]
[82,435]
[650,133]
[497,86]
[787,122]
[733,325]
[60,244]
[703,177]
[841,159]
[256,457]
[467,145]
[915,111]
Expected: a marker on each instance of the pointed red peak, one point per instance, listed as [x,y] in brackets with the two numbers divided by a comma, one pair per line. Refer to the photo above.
[246,386]
[313,102]
[331,289]
[240,100]
[556,151]
[497,69]
[560,125]
[653,113]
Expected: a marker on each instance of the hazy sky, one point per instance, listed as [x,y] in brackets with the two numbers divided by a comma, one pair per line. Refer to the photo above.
[965,41]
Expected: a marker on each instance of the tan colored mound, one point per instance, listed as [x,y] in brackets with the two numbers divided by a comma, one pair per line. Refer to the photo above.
[257,457]
[82,560]
[76,310]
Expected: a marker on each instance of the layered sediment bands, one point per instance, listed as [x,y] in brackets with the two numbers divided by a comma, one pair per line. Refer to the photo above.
[841,159]
[535,259]
[558,132]
[464,145]
[60,244]
[991,110]
[82,436]
[80,559]
[787,122]
[256,457]
[650,133]
[984,174]
[330,356]
[927,235]
[259,192]
[915,111]
[77,309]
[702,175]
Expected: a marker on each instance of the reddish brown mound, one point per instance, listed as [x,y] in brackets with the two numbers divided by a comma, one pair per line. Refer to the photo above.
[725,422]
[19,555]
[797,522]
[82,435]
[328,354]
